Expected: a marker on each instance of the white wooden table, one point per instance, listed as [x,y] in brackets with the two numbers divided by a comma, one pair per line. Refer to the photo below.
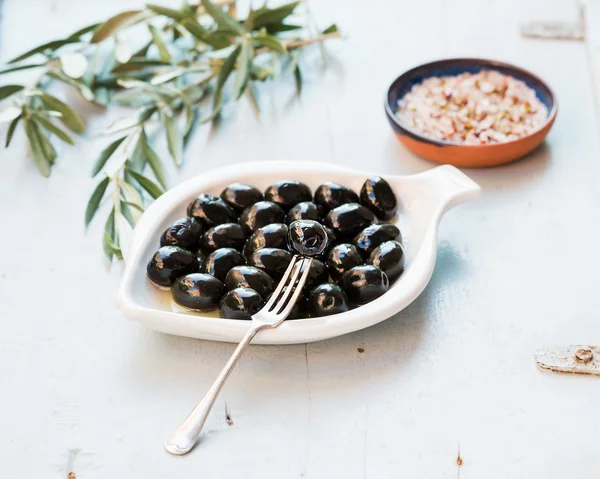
[517,270]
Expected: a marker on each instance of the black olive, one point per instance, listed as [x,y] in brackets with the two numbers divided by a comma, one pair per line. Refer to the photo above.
[270,236]
[342,258]
[250,277]
[240,303]
[318,274]
[348,220]
[261,214]
[169,263]
[307,237]
[299,310]
[372,236]
[306,210]
[377,195]
[330,195]
[327,299]
[211,210]
[288,193]
[197,291]
[184,233]
[227,235]
[331,239]
[220,261]
[365,283]
[273,261]
[239,196]
[389,258]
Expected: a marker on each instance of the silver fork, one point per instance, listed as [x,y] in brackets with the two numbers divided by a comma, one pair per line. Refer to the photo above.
[270,316]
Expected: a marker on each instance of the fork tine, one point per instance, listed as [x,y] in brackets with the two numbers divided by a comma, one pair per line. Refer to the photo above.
[307,262]
[280,302]
[281,284]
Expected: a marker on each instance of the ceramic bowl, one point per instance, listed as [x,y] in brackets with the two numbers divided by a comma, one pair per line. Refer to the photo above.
[468,156]
[422,198]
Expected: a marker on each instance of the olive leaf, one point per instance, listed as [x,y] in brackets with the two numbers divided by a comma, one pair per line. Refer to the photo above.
[11,130]
[116,23]
[270,42]
[22,67]
[147,184]
[110,247]
[9,114]
[84,90]
[223,19]
[136,63]
[79,33]
[265,17]
[69,117]
[160,43]
[42,161]
[154,162]
[243,69]
[174,139]
[8,90]
[331,29]
[105,155]
[168,12]
[52,128]
[50,46]
[95,199]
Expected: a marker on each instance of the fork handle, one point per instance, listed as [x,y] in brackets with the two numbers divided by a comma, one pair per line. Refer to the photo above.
[185,436]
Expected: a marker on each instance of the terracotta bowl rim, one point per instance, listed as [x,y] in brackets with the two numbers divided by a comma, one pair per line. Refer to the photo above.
[485,61]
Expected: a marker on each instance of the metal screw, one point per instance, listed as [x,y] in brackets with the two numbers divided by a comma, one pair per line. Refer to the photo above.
[583,355]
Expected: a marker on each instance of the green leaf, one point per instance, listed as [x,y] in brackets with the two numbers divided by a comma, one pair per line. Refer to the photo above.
[264,16]
[22,67]
[228,66]
[105,155]
[297,74]
[79,33]
[134,206]
[160,43]
[39,154]
[83,89]
[281,27]
[11,130]
[133,98]
[146,112]
[223,19]
[243,69]
[137,159]
[154,162]
[331,29]
[167,12]
[190,131]
[122,124]
[217,105]
[174,140]
[271,43]
[8,90]
[47,146]
[116,23]
[69,117]
[52,128]
[110,249]
[136,64]
[95,199]
[126,212]
[192,26]
[152,188]
[52,46]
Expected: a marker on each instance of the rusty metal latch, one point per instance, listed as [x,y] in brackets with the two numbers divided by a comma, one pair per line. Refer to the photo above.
[572,359]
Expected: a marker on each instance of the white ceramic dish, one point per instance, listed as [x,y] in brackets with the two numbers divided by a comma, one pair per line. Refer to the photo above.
[423,199]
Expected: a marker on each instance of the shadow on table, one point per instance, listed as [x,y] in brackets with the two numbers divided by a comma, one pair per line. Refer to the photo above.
[342,363]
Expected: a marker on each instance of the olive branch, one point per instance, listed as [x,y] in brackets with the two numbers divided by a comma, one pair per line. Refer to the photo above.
[193,61]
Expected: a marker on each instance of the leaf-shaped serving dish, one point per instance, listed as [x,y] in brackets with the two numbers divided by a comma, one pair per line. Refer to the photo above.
[423,199]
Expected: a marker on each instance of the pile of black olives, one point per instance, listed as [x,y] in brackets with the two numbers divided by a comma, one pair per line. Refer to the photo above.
[230,251]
